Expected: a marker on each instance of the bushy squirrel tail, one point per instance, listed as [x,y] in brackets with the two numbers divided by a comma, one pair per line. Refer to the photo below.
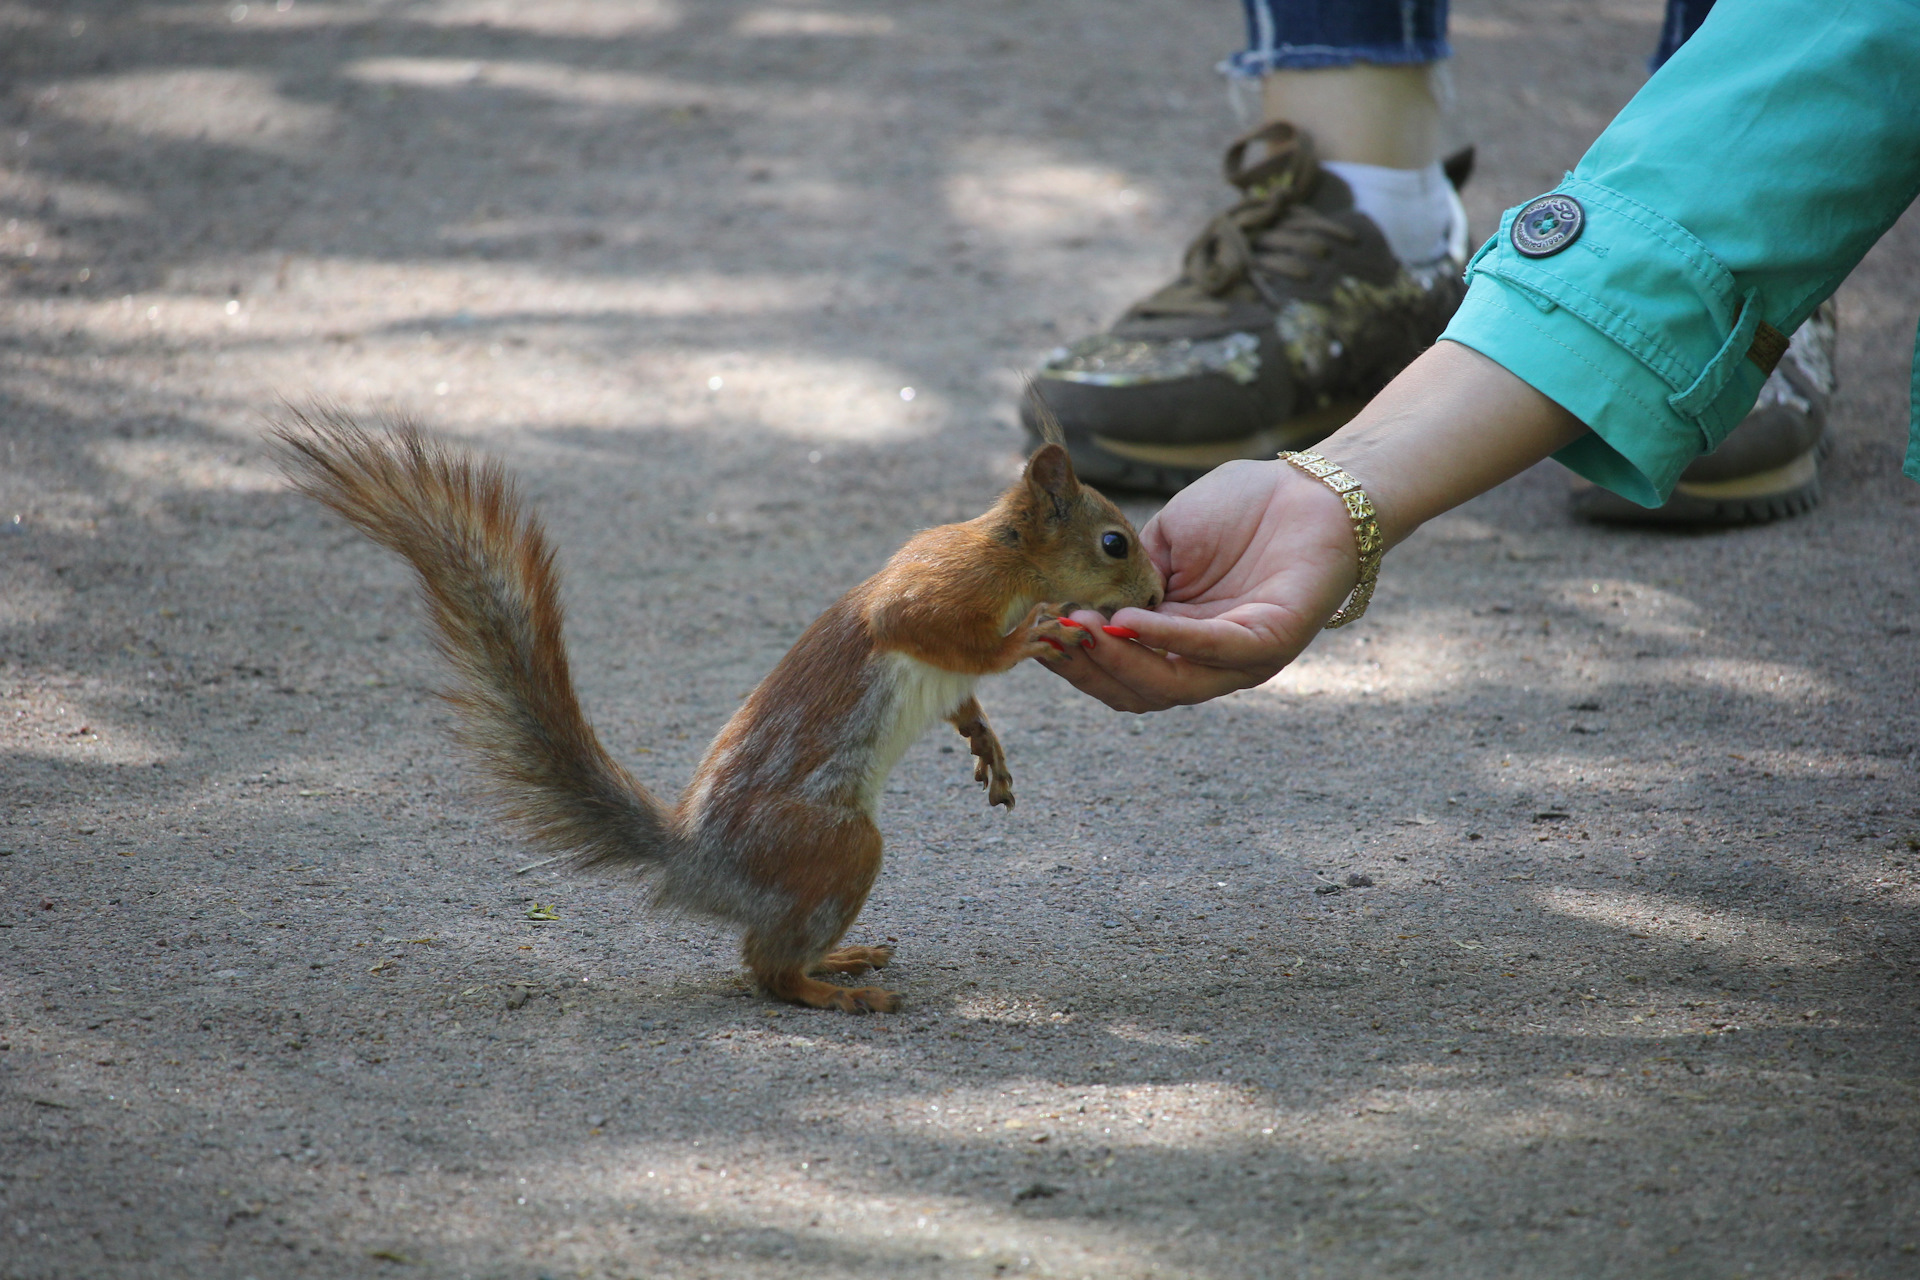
[492,592]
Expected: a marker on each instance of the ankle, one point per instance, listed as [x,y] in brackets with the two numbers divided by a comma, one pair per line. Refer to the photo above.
[1363,114]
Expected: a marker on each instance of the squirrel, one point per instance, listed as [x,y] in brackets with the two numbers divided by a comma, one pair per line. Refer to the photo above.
[776,832]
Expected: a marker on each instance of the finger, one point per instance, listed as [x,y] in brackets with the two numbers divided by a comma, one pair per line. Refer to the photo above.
[1070,665]
[1248,636]
[1094,681]
[1129,676]
[1153,541]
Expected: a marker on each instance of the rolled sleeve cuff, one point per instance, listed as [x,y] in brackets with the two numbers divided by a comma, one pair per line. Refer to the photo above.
[1634,328]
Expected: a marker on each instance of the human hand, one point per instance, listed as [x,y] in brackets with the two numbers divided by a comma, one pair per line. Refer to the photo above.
[1256,557]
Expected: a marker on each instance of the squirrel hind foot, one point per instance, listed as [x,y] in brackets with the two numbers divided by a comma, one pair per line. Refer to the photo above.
[796,987]
[854,960]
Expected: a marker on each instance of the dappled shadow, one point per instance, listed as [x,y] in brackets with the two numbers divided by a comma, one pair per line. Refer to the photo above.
[1189,1002]
[1626,994]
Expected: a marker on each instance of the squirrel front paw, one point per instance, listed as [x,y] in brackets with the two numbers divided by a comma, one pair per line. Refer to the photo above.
[1050,633]
[991,772]
[990,762]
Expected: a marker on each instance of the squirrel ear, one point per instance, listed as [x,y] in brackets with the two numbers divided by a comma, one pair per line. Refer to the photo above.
[1050,478]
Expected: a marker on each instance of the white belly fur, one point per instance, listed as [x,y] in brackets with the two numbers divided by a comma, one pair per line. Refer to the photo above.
[908,698]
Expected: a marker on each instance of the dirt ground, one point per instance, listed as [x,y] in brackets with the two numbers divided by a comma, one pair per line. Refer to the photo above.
[1631,993]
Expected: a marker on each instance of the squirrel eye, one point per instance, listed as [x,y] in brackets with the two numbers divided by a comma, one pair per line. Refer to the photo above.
[1114,544]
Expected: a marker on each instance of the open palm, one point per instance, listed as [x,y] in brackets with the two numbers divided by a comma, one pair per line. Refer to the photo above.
[1257,556]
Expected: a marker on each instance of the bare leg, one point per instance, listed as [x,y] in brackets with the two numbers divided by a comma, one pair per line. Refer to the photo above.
[990,763]
[1365,113]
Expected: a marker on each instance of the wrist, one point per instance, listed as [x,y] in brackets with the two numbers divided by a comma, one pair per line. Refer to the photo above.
[1452,425]
[1362,526]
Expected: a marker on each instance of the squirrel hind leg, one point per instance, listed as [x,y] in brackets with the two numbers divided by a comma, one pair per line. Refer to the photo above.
[825,870]
[784,960]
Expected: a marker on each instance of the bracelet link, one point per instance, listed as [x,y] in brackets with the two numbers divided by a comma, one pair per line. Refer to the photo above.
[1367,539]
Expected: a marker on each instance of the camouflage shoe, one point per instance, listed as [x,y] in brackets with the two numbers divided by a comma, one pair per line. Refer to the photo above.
[1290,313]
[1768,467]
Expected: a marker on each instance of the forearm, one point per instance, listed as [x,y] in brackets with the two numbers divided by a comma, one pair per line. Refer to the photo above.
[1453,425]
[1737,188]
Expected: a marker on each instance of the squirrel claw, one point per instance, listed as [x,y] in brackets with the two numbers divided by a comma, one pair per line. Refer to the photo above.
[990,762]
[1056,633]
[867,1000]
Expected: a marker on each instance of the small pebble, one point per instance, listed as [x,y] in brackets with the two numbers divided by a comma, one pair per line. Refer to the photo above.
[1329,888]
[1359,880]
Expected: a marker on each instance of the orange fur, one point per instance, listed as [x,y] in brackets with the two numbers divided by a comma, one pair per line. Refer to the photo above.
[775,833]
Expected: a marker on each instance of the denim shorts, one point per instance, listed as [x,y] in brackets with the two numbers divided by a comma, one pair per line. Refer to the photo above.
[1297,35]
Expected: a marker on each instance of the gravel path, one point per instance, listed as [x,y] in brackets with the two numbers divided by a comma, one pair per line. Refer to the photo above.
[1556,922]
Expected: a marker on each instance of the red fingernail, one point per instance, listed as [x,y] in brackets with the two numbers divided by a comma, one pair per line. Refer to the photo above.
[1055,643]
[1087,643]
[1125,633]
[1069,622]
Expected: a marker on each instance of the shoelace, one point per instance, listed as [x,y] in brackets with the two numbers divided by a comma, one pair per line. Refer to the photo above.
[1268,233]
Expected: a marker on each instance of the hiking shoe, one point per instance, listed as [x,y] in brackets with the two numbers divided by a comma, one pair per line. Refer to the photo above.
[1289,314]
[1768,467]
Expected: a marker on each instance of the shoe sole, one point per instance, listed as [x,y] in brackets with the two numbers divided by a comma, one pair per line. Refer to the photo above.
[1776,494]
[1167,469]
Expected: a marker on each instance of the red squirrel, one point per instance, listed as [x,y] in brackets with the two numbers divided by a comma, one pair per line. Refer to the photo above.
[775,834]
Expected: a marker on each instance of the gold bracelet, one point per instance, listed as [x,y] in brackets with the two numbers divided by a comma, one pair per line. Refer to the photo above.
[1366,530]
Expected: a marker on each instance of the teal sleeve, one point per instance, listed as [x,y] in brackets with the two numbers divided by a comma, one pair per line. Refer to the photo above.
[1912,465]
[1740,186]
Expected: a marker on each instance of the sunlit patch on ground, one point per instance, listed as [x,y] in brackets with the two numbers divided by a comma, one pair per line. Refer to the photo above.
[1738,933]
[231,108]
[1554,920]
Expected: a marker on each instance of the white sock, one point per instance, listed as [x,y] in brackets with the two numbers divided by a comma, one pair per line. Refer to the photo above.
[1416,209]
